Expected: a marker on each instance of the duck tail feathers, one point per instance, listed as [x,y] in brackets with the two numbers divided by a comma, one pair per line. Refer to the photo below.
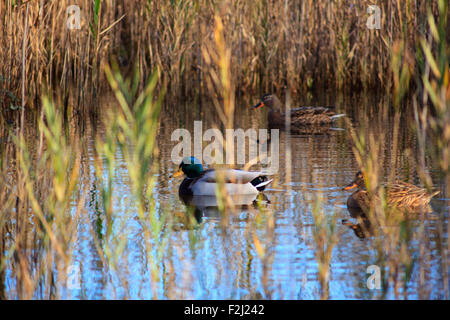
[337,116]
[434,193]
[262,185]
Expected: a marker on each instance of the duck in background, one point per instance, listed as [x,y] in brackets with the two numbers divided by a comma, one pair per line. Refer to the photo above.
[301,117]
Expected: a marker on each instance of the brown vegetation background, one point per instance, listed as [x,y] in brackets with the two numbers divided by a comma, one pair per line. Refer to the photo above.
[302,45]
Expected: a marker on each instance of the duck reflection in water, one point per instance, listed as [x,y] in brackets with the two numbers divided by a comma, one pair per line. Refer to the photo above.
[362,228]
[207,206]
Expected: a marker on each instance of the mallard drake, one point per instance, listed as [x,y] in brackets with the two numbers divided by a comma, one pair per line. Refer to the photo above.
[401,195]
[199,182]
[301,116]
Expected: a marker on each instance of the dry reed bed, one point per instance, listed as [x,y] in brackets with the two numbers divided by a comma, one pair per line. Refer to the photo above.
[273,44]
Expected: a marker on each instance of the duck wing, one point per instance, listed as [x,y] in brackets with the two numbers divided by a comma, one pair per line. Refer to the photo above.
[405,194]
[312,110]
[230,175]
[314,115]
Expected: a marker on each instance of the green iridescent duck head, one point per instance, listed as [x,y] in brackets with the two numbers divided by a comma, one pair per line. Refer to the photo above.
[191,167]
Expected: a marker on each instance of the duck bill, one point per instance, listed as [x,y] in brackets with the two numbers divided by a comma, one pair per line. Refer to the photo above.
[350,186]
[178,173]
[259,105]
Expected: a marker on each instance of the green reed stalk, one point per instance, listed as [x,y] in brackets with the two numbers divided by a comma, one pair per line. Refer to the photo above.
[433,122]
[45,193]
[135,136]
[325,239]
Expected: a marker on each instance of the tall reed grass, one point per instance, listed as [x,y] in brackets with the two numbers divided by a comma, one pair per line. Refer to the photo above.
[273,45]
[394,232]
[45,191]
[41,207]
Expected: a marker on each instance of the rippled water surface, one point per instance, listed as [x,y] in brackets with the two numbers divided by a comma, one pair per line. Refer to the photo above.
[267,248]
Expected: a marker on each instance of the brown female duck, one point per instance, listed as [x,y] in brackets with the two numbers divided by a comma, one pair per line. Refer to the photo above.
[302,116]
[404,196]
